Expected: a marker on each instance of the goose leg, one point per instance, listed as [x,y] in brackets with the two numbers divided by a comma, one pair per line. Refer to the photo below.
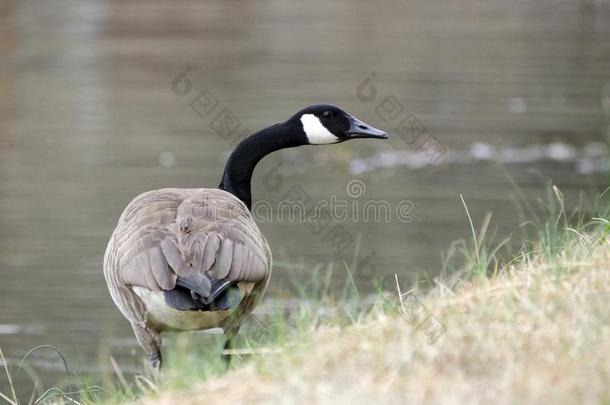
[154,361]
[150,341]
[230,344]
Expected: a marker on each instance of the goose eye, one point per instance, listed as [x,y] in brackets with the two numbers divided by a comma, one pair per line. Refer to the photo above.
[327,114]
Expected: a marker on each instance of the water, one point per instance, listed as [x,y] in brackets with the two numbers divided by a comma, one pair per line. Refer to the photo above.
[91,114]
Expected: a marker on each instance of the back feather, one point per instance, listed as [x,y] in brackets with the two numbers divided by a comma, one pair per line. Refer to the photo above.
[197,242]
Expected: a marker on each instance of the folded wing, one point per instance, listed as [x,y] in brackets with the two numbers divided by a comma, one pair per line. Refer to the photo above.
[203,245]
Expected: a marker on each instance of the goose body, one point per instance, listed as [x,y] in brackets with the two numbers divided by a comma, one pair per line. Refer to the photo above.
[170,233]
[193,259]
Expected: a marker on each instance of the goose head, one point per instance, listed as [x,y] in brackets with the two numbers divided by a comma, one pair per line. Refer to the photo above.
[318,124]
[323,124]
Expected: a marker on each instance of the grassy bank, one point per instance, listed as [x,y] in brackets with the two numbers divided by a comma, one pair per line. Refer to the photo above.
[533,330]
[503,325]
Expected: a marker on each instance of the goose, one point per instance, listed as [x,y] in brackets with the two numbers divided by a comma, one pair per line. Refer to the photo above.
[194,259]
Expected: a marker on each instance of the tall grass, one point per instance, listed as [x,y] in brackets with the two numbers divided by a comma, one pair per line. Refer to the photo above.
[527,328]
[555,240]
[552,232]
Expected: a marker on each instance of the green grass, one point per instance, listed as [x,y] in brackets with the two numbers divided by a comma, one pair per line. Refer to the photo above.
[527,328]
[326,324]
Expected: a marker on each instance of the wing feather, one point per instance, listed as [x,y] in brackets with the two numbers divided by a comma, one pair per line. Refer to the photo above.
[223,261]
[210,250]
[173,256]
[137,272]
[196,282]
[203,240]
[165,278]
[238,261]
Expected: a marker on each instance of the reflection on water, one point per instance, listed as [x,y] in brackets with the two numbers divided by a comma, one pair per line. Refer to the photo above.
[89,119]
[588,159]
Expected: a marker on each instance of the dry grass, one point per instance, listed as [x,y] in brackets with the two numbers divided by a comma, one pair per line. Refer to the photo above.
[538,333]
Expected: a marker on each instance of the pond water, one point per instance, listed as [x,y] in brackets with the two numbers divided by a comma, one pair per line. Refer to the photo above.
[100,101]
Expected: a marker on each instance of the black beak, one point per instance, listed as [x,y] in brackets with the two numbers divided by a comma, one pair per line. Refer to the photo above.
[358,129]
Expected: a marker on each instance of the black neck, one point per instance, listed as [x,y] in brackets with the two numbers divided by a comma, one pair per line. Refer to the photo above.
[238,170]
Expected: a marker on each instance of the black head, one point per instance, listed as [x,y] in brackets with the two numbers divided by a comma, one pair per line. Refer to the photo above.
[327,123]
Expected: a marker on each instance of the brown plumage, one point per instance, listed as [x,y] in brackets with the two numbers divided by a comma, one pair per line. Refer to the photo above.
[202,234]
[191,259]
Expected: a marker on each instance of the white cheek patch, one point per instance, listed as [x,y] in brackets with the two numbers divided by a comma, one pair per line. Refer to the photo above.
[316,132]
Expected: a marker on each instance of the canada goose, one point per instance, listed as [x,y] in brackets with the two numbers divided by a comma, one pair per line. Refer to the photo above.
[193,259]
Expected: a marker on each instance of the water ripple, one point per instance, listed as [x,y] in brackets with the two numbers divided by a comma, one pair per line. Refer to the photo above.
[588,159]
